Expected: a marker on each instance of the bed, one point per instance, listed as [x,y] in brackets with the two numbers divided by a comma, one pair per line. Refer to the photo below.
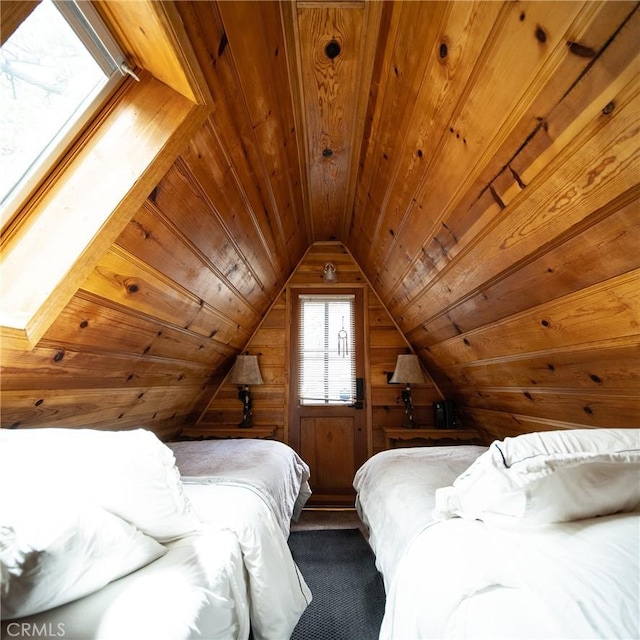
[533,537]
[268,468]
[254,488]
[101,538]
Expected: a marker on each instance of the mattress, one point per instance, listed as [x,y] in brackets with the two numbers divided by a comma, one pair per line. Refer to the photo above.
[268,467]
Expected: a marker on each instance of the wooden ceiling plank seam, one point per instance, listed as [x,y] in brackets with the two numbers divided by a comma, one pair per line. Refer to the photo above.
[551,371]
[631,341]
[609,247]
[564,161]
[600,411]
[152,320]
[478,66]
[545,120]
[548,135]
[184,168]
[291,38]
[204,259]
[400,142]
[519,106]
[541,424]
[270,251]
[531,392]
[608,365]
[203,225]
[87,405]
[370,35]
[71,348]
[354,236]
[178,286]
[295,200]
[273,114]
[401,208]
[281,243]
[620,294]
[367,171]
[171,284]
[626,199]
[222,78]
[106,369]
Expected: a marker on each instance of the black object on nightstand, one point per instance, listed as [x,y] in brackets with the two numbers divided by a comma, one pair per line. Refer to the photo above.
[444,415]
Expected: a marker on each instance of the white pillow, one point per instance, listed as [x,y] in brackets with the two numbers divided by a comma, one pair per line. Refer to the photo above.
[132,474]
[551,476]
[58,553]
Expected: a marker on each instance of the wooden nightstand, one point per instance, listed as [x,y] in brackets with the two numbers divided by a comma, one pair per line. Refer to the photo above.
[461,436]
[232,432]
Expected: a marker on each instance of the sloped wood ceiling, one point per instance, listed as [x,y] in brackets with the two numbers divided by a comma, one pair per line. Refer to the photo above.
[479,161]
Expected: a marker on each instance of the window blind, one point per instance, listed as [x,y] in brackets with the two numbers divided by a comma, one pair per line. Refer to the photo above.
[326,349]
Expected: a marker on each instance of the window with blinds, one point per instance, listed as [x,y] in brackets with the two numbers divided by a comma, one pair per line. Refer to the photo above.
[326,350]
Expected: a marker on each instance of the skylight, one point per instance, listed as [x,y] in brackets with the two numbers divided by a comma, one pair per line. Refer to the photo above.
[55,69]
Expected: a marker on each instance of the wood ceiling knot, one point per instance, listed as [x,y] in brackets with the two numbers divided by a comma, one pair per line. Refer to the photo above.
[332,49]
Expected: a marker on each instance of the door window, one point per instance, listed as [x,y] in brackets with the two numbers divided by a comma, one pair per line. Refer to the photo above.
[326,350]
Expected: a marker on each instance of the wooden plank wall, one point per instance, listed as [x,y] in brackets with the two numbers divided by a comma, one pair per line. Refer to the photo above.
[156,325]
[508,253]
[152,331]
[271,344]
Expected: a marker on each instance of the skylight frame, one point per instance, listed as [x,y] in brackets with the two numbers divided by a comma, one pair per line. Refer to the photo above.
[87,24]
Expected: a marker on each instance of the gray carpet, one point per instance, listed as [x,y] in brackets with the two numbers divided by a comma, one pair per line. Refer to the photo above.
[348,592]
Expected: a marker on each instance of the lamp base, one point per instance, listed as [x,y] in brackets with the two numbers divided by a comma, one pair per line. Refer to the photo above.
[247,418]
[247,421]
[408,423]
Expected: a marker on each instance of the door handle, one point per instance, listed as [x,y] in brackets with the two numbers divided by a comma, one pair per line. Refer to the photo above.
[359,403]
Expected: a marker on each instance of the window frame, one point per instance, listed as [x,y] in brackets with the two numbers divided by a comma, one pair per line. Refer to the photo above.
[64,229]
[87,24]
[326,297]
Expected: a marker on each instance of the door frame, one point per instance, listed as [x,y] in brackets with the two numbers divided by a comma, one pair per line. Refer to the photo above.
[363,447]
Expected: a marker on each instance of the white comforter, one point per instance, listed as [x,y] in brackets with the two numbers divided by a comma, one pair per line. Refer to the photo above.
[570,580]
[253,488]
[196,590]
[278,593]
[395,496]
[268,467]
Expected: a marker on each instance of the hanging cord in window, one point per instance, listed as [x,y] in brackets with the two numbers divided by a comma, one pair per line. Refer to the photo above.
[343,343]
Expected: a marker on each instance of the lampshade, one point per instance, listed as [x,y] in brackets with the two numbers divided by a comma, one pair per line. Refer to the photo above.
[408,370]
[245,371]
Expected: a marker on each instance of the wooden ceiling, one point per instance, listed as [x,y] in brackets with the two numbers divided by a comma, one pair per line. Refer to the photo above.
[478,160]
[471,156]
[404,128]
[395,127]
